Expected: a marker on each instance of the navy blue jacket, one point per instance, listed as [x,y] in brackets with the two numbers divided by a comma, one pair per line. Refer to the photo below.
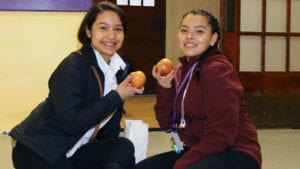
[72,107]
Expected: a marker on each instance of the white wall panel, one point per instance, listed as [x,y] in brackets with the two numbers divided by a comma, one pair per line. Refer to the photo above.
[295,54]
[251,14]
[276,16]
[275,54]
[250,57]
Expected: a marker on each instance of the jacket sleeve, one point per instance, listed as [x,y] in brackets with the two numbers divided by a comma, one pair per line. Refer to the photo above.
[164,107]
[75,96]
[222,98]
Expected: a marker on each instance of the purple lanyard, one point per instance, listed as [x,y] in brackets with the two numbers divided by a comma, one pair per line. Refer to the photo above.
[178,89]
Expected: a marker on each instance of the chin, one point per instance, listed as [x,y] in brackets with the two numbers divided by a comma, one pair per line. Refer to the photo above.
[110,53]
[191,54]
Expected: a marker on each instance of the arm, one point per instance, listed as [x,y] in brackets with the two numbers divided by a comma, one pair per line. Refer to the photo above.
[75,96]
[165,95]
[164,107]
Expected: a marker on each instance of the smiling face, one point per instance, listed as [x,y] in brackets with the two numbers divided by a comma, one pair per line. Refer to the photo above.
[106,34]
[195,35]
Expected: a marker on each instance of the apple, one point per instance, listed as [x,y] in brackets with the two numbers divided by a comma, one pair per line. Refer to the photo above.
[165,65]
[138,79]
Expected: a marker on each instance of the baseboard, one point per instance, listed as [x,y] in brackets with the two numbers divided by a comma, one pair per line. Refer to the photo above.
[296,126]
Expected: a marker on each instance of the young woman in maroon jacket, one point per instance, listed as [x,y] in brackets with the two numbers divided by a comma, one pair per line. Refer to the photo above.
[201,104]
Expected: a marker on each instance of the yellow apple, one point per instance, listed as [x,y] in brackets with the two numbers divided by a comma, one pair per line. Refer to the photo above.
[138,79]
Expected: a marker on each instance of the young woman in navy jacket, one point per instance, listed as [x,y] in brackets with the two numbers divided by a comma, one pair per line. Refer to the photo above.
[89,86]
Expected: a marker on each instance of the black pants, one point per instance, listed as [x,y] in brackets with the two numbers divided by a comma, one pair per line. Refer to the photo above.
[229,159]
[90,156]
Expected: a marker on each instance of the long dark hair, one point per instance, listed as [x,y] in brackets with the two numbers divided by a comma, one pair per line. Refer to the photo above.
[91,16]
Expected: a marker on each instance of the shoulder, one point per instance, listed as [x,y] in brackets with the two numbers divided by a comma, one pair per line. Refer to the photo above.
[73,61]
[81,57]
[72,66]
[217,62]
[73,58]
[218,68]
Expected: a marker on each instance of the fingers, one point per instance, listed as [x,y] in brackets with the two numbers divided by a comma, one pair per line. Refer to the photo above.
[127,79]
[125,89]
[168,77]
[155,72]
[139,90]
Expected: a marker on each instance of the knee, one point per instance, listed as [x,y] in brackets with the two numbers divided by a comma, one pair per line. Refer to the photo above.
[126,144]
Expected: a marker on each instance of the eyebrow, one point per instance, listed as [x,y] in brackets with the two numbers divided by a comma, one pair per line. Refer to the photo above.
[104,23]
[199,26]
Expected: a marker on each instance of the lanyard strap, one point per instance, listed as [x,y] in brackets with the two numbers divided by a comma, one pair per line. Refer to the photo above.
[179,88]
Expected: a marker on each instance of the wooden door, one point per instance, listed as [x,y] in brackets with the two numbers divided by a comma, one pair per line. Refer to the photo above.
[144,43]
[262,39]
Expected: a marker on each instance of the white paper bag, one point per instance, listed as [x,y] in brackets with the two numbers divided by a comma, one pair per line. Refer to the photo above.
[137,131]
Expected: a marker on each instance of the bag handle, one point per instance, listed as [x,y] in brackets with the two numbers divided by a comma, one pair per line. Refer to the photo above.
[97,128]
[98,79]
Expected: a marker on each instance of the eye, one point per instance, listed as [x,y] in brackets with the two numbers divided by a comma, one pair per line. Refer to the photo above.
[183,30]
[199,31]
[103,27]
[119,29]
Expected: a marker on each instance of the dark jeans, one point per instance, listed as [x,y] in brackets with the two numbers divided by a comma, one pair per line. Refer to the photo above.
[90,156]
[229,159]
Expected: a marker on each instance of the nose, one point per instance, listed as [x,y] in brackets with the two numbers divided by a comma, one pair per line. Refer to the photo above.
[190,35]
[111,34]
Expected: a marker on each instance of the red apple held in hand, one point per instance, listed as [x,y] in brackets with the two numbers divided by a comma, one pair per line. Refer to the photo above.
[165,65]
[138,79]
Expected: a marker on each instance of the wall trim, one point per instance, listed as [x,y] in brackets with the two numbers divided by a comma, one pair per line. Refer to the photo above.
[45,5]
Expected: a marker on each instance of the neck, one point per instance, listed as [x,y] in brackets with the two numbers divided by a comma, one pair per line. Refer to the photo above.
[106,58]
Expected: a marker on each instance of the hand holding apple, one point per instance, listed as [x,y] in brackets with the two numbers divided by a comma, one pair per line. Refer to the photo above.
[138,79]
[166,80]
[165,66]
[126,90]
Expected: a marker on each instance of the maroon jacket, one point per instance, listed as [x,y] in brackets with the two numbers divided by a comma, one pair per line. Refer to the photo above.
[215,111]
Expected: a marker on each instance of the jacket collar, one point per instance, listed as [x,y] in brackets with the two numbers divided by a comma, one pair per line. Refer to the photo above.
[89,55]
[189,61]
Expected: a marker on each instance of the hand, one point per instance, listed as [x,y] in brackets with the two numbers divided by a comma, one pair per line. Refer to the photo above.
[125,89]
[164,81]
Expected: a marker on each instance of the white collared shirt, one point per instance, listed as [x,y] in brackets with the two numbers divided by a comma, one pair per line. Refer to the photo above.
[115,64]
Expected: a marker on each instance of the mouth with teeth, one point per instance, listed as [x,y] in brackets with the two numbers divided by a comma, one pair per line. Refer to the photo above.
[189,45]
[110,44]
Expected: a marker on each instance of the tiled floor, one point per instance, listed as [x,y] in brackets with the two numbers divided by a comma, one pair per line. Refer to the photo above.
[280,148]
